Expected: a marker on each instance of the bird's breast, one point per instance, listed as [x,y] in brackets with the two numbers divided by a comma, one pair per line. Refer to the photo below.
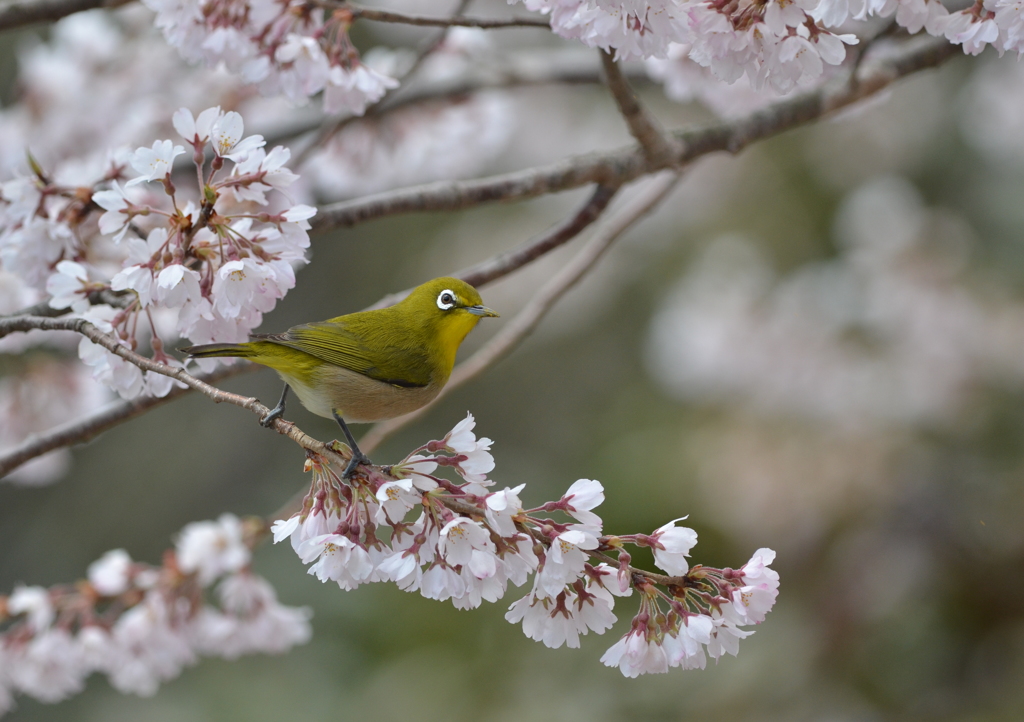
[358,398]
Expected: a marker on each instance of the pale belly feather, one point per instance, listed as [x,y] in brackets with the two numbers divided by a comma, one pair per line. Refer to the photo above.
[357,398]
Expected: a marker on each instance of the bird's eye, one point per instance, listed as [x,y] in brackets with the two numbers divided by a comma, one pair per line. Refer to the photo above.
[446,300]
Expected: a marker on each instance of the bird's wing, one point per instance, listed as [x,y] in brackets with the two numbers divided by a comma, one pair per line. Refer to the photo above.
[338,344]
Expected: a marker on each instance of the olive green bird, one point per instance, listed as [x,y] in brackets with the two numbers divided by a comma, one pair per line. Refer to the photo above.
[370,365]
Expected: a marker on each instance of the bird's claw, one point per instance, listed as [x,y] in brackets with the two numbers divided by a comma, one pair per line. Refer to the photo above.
[354,463]
[267,421]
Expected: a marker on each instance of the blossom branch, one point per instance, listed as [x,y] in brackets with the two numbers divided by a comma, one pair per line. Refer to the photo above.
[657,147]
[330,128]
[83,327]
[513,333]
[499,266]
[626,164]
[81,430]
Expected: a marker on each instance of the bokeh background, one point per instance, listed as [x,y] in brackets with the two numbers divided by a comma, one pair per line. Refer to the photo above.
[815,346]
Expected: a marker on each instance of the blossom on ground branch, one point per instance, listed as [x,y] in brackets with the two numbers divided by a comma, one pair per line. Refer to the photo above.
[466,541]
[140,625]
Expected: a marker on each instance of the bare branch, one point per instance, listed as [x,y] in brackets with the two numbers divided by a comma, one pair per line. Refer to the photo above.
[18,13]
[457,20]
[112,298]
[81,430]
[657,147]
[513,333]
[626,164]
[506,262]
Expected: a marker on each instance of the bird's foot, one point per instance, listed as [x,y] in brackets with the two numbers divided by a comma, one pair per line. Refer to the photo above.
[357,459]
[276,413]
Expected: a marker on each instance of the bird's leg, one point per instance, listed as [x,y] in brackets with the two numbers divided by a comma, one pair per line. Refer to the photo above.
[358,457]
[277,412]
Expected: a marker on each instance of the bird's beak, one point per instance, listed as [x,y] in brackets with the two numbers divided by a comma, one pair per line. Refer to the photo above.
[481,311]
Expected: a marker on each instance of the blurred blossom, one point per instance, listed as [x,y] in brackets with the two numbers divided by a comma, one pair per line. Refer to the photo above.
[422,143]
[883,332]
[47,393]
[992,111]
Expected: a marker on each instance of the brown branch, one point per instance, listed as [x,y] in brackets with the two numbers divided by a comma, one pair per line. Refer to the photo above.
[451,91]
[626,164]
[457,20]
[513,333]
[82,430]
[116,299]
[504,263]
[25,12]
[83,327]
[657,147]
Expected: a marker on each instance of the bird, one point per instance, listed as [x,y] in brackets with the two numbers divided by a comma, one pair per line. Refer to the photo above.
[369,365]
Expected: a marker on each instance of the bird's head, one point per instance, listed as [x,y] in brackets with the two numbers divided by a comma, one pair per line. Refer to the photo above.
[448,306]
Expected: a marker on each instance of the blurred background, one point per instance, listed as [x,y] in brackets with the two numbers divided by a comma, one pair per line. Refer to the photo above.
[816,346]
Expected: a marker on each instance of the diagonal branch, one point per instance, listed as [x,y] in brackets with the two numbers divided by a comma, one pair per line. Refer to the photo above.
[626,164]
[457,20]
[657,147]
[112,344]
[18,13]
[81,430]
[513,333]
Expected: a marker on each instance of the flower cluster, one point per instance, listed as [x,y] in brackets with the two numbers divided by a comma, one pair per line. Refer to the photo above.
[468,542]
[780,44]
[205,269]
[285,48]
[141,625]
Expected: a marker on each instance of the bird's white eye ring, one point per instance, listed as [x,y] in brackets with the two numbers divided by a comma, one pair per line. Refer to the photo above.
[446,300]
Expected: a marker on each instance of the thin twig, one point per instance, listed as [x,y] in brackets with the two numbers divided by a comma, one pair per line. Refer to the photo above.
[83,327]
[81,430]
[457,19]
[43,308]
[19,13]
[623,165]
[451,91]
[331,127]
[513,333]
[656,145]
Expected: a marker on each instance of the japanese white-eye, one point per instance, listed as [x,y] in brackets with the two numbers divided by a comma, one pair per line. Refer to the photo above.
[369,365]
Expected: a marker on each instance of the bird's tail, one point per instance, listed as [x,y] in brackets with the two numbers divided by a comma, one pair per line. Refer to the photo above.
[239,350]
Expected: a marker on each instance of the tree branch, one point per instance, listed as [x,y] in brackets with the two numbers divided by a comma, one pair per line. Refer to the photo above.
[507,262]
[81,430]
[626,164]
[657,147]
[18,13]
[513,333]
[79,325]
[458,20]
[117,299]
